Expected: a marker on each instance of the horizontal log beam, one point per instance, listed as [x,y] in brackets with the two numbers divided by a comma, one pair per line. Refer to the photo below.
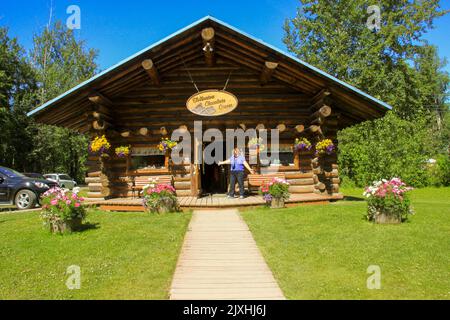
[100,100]
[143,131]
[208,35]
[281,127]
[300,128]
[100,125]
[267,71]
[151,70]
[125,134]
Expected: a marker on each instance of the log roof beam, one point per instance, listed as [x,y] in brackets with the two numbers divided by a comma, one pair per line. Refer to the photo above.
[151,70]
[267,71]
[208,37]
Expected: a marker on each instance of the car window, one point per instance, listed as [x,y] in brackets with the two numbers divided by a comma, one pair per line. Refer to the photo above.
[64,177]
[10,173]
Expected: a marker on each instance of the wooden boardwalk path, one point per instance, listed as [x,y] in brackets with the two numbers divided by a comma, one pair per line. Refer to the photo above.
[220,260]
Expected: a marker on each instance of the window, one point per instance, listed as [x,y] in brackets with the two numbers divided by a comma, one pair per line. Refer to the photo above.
[64,177]
[286,158]
[147,162]
[10,173]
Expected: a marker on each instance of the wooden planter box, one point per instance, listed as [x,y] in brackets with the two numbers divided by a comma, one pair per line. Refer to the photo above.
[277,203]
[383,218]
[165,208]
[65,226]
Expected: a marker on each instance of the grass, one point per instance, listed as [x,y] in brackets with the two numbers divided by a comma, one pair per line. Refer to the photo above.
[121,256]
[323,251]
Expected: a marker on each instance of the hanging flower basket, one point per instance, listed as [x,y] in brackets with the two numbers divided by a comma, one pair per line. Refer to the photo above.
[100,145]
[166,145]
[325,147]
[256,144]
[122,151]
[302,144]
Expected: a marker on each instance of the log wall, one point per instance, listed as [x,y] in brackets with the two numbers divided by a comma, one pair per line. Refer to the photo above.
[142,116]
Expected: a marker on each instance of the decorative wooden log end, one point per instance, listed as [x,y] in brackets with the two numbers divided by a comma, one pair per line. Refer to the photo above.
[163,131]
[151,70]
[208,45]
[281,127]
[143,131]
[300,128]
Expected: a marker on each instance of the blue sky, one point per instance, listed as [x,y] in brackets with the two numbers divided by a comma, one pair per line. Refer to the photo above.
[119,28]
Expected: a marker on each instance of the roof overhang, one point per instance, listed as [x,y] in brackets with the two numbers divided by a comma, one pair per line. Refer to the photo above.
[90,85]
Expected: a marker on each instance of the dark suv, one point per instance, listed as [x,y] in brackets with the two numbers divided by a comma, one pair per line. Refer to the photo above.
[20,190]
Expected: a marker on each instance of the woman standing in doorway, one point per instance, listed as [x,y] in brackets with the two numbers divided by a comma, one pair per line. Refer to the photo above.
[238,163]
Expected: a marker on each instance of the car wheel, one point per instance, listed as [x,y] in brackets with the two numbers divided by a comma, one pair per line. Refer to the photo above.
[25,199]
[63,186]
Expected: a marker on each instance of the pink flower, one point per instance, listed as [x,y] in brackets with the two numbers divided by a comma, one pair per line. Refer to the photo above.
[77,204]
[54,202]
[68,202]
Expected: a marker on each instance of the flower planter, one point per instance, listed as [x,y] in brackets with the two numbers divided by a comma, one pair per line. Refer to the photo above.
[161,209]
[388,202]
[68,226]
[160,199]
[384,218]
[277,203]
[164,209]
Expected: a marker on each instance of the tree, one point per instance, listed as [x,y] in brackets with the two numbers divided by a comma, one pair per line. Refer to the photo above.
[394,64]
[16,74]
[382,63]
[17,86]
[57,63]
[60,61]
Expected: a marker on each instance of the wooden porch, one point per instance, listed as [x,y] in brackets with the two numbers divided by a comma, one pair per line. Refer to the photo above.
[214,201]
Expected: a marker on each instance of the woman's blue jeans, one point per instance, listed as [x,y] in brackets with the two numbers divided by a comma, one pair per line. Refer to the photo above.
[239,176]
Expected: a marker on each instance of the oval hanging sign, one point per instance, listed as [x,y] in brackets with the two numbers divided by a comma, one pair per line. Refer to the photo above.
[212,103]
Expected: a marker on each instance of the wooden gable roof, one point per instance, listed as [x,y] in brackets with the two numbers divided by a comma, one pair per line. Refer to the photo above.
[187,46]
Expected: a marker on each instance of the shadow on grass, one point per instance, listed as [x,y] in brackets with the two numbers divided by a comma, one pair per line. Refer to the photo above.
[352,198]
[88,226]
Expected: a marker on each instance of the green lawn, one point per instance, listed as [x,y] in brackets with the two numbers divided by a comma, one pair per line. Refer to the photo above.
[121,256]
[323,251]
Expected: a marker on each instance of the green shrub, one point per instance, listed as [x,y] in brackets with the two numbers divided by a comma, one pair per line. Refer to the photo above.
[439,172]
[387,147]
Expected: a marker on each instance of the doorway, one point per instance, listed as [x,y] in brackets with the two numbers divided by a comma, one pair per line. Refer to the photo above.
[214,178]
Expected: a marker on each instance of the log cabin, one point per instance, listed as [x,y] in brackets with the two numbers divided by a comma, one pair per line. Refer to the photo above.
[144,98]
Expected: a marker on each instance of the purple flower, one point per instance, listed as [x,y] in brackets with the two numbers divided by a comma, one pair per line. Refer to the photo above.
[330,149]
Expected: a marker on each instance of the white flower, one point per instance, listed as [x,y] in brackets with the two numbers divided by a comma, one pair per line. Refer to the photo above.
[76,190]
